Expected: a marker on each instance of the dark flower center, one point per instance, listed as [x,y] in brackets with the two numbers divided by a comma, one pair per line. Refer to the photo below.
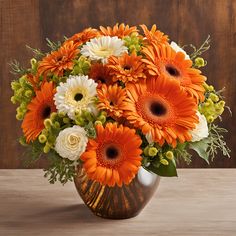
[46,112]
[101,79]
[111,103]
[112,153]
[172,71]
[78,97]
[127,67]
[157,109]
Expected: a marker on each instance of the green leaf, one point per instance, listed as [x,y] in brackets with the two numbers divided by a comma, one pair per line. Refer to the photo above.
[200,148]
[164,170]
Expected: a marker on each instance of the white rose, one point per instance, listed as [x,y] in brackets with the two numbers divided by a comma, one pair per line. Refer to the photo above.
[201,130]
[177,48]
[71,142]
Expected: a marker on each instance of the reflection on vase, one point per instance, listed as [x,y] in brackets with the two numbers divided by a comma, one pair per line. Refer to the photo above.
[117,202]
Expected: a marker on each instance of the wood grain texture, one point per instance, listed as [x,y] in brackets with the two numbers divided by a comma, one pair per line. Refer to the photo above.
[30,22]
[200,202]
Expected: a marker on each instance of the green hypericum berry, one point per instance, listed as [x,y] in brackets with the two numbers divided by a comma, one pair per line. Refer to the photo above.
[15,85]
[13,100]
[79,121]
[53,116]
[22,80]
[42,138]
[61,114]
[66,120]
[19,116]
[28,93]
[169,155]
[56,125]
[199,62]
[97,122]
[214,97]
[152,151]
[164,162]
[47,123]
[102,118]
[46,148]
[81,66]
[210,119]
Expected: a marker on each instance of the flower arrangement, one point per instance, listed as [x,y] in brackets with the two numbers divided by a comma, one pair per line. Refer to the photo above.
[116,99]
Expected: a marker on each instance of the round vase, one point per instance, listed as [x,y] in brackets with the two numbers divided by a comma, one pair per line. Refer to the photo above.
[117,202]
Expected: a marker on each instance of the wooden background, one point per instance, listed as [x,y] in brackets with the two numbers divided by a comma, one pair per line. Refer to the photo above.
[185,21]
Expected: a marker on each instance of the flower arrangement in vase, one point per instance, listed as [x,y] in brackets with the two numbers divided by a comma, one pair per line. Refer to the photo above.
[115,108]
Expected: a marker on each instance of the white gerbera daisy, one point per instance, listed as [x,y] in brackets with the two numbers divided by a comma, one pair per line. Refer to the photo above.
[77,94]
[177,48]
[103,47]
[71,142]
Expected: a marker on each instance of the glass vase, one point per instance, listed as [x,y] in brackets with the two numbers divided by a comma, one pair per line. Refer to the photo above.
[117,202]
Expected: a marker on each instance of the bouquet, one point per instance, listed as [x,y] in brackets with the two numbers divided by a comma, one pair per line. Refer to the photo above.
[115,99]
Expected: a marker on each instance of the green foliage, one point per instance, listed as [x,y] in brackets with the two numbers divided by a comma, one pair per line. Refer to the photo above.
[181,153]
[37,52]
[54,46]
[133,43]
[163,170]
[60,169]
[34,151]
[17,69]
[199,51]
[81,66]
[209,147]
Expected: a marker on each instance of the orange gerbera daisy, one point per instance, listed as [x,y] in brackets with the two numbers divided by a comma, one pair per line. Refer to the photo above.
[111,99]
[59,61]
[154,36]
[163,59]
[39,109]
[114,156]
[82,37]
[161,107]
[120,31]
[100,73]
[127,68]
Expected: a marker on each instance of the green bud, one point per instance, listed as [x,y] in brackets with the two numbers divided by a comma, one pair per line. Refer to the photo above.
[169,155]
[199,62]
[45,132]
[97,122]
[53,116]
[19,116]
[56,125]
[47,123]
[22,80]
[164,162]
[88,116]
[103,113]
[211,88]
[22,141]
[145,151]
[221,103]
[46,148]
[102,118]
[80,121]
[33,61]
[42,138]
[15,85]
[61,114]
[214,97]
[66,120]
[152,151]
[210,119]
[28,93]
[13,100]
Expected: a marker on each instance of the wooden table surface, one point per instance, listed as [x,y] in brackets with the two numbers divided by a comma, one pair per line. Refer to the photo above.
[198,202]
